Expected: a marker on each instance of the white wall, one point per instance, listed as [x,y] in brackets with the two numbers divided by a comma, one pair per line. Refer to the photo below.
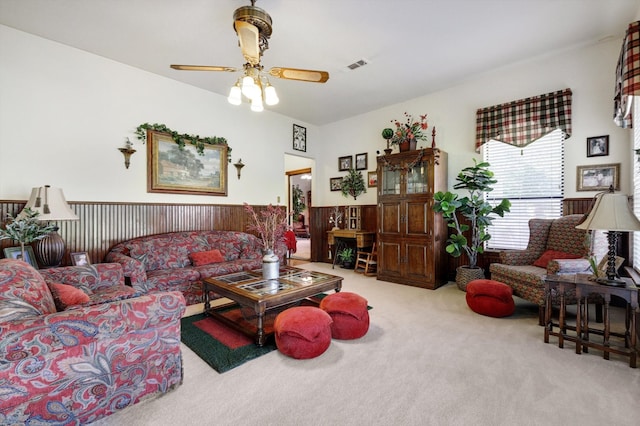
[588,71]
[64,113]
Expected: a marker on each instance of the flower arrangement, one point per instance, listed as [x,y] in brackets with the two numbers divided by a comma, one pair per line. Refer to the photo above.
[410,129]
[271,224]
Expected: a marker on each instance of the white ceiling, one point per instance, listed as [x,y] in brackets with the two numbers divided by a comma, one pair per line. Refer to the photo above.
[414,47]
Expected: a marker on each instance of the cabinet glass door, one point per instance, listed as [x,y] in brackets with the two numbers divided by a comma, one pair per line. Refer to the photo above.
[417,178]
[390,181]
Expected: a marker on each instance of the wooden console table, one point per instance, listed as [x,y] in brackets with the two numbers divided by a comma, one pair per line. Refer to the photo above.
[363,239]
[579,284]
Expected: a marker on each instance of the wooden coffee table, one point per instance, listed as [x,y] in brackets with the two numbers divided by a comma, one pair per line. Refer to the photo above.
[251,291]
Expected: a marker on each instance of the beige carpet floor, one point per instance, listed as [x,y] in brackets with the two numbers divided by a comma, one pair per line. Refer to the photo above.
[426,360]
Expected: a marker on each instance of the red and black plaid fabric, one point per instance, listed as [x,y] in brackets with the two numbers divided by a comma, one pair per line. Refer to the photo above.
[627,76]
[521,122]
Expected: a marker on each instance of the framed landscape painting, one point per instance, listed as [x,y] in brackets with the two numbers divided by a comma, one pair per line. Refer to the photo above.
[598,177]
[175,170]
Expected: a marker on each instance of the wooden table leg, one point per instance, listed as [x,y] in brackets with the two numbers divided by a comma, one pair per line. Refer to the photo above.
[561,324]
[579,315]
[548,325]
[632,330]
[607,326]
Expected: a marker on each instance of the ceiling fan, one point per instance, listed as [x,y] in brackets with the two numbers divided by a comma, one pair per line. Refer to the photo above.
[253,27]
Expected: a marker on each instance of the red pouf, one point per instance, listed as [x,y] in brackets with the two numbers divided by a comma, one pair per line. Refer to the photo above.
[303,332]
[349,313]
[491,298]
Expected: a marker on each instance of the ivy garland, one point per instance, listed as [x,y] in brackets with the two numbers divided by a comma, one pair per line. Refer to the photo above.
[180,139]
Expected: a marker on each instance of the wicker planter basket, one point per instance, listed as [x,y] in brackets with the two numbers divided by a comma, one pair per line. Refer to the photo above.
[464,275]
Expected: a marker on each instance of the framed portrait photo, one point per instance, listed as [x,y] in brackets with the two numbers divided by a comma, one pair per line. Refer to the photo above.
[598,177]
[299,138]
[16,253]
[345,163]
[598,146]
[175,170]
[80,258]
[372,179]
[334,183]
[361,161]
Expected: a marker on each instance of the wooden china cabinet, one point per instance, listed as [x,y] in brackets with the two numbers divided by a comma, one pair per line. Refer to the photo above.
[411,236]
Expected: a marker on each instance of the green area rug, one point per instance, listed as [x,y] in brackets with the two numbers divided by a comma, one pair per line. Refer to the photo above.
[218,345]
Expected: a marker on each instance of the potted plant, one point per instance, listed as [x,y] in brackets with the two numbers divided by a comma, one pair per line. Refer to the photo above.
[353,184]
[270,226]
[25,228]
[408,134]
[297,204]
[346,256]
[477,212]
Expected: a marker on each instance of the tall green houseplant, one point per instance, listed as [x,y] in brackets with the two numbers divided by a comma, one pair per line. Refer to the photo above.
[477,180]
[353,184]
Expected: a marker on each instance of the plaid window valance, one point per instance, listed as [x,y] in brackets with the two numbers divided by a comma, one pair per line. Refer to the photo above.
[627,76]
[524,121]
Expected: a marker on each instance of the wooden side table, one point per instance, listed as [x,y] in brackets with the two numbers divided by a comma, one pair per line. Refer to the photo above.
[583,287]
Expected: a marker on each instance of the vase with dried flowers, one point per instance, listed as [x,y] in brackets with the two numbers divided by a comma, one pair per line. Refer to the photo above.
[270,225]
[407,134]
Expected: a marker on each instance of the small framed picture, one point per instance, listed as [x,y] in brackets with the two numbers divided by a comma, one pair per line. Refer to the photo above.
[345,163]
[598,146]
[598,177]
[80,258]
[16,253]
[361,161]
[334,183]
[299,138]
[372,179]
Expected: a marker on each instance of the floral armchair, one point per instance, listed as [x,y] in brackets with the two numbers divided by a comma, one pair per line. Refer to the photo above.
[555,247]
[90,359]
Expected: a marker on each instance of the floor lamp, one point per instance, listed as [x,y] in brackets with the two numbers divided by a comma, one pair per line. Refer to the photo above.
[52,206]
[611,213]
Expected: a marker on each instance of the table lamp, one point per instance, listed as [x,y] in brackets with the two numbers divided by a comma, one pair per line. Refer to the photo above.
[611,213]
[52,206]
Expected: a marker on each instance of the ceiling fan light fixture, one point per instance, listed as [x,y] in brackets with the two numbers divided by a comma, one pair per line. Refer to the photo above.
[270,95]
[249,87]
[256,104]
[235,95]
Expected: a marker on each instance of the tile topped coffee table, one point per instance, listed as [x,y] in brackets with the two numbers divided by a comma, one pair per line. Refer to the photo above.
[251,291]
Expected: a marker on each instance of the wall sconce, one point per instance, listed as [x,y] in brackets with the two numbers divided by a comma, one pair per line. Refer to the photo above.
[127,151]
[239,166]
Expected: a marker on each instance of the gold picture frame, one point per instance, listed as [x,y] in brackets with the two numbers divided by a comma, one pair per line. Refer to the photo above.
[372,179]
[598,177]
[175,170]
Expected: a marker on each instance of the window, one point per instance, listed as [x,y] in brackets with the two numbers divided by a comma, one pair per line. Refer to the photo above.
[532,178]
[636,180]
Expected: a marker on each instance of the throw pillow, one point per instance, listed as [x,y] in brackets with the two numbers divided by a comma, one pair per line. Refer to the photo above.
[549,255]
[65,295]
[201,258]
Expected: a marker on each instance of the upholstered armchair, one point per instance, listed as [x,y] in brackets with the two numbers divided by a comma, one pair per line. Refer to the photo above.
[77,363]
[555,247]
[300,227]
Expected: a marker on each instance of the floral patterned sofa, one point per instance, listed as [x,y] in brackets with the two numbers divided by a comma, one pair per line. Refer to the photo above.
[75,366]
[555,243]
[168,261]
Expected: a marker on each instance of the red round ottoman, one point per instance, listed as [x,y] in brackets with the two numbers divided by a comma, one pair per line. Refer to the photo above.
[349,313]
[491,298]
[303,332]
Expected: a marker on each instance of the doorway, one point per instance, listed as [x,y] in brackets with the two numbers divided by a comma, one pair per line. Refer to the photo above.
[299,202]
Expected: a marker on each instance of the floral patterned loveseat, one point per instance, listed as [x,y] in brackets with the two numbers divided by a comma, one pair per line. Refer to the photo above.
[89,360]
[566,249]
[164,262]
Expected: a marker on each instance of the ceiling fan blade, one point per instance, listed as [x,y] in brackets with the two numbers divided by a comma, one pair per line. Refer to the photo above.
[202,68]
[248,35]
[298,74]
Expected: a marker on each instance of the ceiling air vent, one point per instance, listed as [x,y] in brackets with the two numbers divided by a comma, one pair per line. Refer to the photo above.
[358,64]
